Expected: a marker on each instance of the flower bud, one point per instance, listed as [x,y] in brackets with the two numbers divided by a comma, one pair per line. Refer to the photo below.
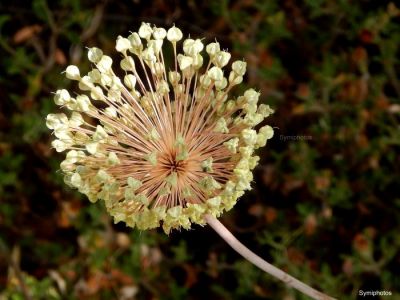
[184,61]
[62,97]
[135,40]
[174,34]
[94,55]
[249,136]
[127,64]
[174,77]
[239,67]
[159,33]
[72,72]
[122,44]
[130,81]
[221,58]
[251,96]
[76,119]
[212,49]
[82,103]
[215,74]
[104,65]
[145,31]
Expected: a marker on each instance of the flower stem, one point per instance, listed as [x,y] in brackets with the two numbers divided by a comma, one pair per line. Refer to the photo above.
[262,264]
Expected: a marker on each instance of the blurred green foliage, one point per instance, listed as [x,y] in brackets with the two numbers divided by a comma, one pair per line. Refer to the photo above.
[325,205]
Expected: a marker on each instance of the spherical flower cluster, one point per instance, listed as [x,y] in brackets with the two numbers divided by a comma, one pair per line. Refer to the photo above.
[161,146]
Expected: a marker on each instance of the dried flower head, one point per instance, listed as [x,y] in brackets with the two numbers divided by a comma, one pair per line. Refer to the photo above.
[160,145]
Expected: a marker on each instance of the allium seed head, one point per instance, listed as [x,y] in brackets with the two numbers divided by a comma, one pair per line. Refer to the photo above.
[163,145]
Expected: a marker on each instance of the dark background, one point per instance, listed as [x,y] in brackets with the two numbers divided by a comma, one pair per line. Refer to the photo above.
[325,207]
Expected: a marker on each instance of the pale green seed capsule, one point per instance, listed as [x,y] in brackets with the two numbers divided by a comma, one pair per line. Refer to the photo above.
[62,97]
[95,54]
[184,61]
[239,67]
[134,183]
[113,159]
[104,64]
[215,74]
[174,34]
[249,136]
[145,31]
[232,145]
[76,180]
[92,147]
[172,179]
[209,184]
[212,49]
[72,72]
[151,158]
[221,126]
[206,165]
[122,44]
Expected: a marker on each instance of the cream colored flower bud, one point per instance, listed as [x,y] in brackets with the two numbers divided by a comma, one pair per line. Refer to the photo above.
[111,112]
[215,74]
[134,183]
[221,84]
[122,44]
[85,83]
[239,67]
[130,81]
[54,121]
[205,81]
[82,103]
[135,40]
[159,33]
[249,136]
[100,134]
[174,34]
[174,77]
[92,147]
[221,58]
[62,97]
[197,61]
[127,64]
[212,49]
[184,61]
[113,159]
[235,79]
[232,145]
[97,93]
[251,96]
[94,55]
[221,126]
[60,146]
[206,165]
[76,119]
[149,56]
[94,76]
[158,69]
[151,158]
[76,180]
[104,64]
[162,87]
[72,72]
[145,31]
[265,110]
[192,47]
[156,45]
